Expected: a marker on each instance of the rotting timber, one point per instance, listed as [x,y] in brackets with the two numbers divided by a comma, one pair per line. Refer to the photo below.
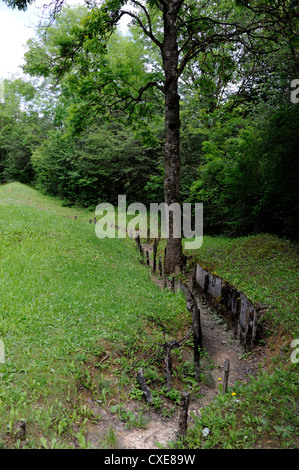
[233,306]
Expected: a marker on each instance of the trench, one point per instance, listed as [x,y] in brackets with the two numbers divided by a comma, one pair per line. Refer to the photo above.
[219,339]
[229,325]
[236,310]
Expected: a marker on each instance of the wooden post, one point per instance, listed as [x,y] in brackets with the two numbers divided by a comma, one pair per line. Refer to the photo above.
[183,419]
[160,266]
[143,386]
[164,278]
[196,340]
[20,432]
[141,252]
[155,255]
[226,374]
[168,362]
[147,258]
[138,241]
[254,329]
[167,366]
[196,323]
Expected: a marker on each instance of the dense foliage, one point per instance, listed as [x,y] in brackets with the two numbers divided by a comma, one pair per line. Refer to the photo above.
[248,172]
[22,130]
[239,128]
[103,162]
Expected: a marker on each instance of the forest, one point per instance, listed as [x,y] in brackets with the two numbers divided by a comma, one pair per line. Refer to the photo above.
[90,130]
[196,101]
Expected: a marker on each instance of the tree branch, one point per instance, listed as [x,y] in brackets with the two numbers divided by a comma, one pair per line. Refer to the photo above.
[238,33]
[135,2]
[147,32]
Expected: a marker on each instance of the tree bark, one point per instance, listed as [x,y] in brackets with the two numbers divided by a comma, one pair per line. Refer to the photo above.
[174,260]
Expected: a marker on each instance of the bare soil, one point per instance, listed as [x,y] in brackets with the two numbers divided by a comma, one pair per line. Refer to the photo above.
[159,431]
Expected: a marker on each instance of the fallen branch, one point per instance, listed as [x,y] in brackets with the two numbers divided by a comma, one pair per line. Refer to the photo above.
[104,358]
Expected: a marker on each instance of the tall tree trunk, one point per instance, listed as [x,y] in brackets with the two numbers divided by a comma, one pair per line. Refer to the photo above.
[174,259]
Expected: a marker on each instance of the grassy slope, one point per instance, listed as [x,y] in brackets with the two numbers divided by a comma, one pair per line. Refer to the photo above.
[66,299]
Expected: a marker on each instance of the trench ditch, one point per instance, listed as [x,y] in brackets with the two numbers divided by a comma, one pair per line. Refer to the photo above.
[230,331]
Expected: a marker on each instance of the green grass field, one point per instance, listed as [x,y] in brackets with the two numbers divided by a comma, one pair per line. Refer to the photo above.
[67,299]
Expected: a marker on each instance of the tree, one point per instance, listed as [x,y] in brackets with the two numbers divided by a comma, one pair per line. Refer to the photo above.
[247,177]
[180,30]
[22,128]
[19,4]
[104,161]
[106,158]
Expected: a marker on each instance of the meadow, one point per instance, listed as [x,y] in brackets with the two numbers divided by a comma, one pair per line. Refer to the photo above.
[68,299]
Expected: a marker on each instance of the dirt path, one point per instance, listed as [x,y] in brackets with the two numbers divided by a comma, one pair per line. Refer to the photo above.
[219,345]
